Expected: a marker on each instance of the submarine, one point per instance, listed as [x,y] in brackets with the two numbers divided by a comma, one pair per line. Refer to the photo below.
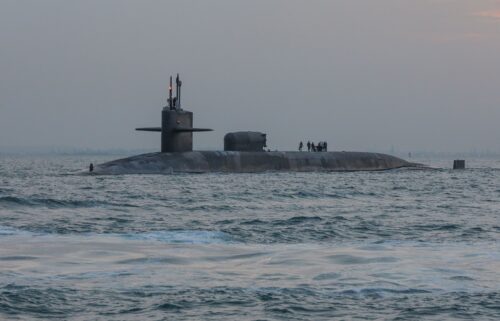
[244,152]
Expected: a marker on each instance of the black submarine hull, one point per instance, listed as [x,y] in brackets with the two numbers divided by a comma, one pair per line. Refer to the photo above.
[250,162]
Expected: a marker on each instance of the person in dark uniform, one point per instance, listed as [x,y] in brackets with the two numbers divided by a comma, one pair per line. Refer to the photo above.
[308,146]
[320,146]
[325,146]
[300,146]
[313,148]
[91,167]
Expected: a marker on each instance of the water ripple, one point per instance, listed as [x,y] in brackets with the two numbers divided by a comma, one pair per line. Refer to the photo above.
[404,245]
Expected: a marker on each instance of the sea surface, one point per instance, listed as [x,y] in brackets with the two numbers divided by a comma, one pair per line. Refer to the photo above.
[390,245]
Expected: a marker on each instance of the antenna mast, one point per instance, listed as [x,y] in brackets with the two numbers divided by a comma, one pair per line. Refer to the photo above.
[170,105]
[178,83]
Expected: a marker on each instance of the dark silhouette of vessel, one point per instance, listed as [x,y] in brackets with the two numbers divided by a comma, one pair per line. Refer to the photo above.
[243,152]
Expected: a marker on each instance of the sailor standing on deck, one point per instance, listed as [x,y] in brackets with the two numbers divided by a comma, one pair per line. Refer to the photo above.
[300,146]
[308,146]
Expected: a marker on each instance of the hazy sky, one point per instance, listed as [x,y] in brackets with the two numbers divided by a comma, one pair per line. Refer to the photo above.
[363,75]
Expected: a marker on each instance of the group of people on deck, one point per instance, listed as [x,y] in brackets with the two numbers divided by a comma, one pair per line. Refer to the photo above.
[320,147]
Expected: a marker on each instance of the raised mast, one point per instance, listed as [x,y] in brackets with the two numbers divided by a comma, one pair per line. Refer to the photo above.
[170,100]
[178,84]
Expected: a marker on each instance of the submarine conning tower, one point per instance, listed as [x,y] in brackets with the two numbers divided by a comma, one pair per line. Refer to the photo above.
[176,124]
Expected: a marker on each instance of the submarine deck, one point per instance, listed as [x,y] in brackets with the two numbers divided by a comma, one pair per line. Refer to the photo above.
[250,162]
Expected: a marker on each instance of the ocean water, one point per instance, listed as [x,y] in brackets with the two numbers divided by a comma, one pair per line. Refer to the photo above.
[392,245]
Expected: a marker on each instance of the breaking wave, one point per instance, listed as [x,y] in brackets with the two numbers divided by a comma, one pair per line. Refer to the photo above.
[174,237]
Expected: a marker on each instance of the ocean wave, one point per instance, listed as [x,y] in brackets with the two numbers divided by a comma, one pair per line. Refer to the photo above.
[183,236]
[174,237]
[8,231]
[384,291]
[224,303]
[296,220]
[9,201]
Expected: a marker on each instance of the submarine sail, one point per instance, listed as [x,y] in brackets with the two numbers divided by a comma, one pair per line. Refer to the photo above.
[176,124]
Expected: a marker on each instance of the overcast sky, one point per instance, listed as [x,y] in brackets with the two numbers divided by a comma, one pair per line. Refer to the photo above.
[363,75]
